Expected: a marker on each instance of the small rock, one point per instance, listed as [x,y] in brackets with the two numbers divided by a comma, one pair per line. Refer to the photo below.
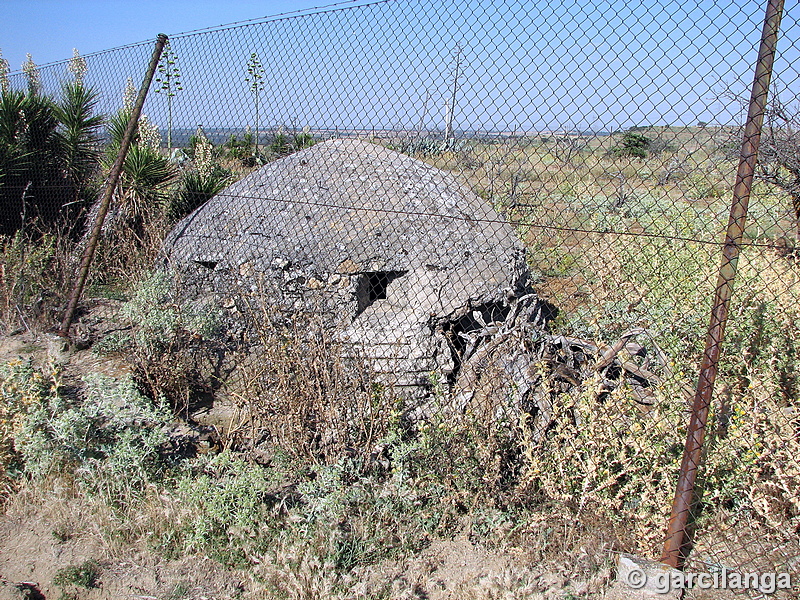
[279,263]
[58,348]
[642,579]
[349,267]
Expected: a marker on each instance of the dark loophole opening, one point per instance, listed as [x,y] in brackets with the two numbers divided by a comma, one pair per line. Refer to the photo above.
[372,286]
[208,264]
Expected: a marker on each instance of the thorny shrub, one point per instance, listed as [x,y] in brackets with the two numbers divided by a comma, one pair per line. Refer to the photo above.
[110,439]
[222,505]
[610,458]
[622,459]
[170,343]
[349,513]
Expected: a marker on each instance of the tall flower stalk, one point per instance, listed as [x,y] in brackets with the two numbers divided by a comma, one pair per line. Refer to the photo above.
[129,95]
[77,66]
[255,81]
[4,70]
[32,75]
[169,82]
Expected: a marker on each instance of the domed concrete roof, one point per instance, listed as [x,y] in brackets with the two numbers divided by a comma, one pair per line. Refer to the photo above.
[388,242]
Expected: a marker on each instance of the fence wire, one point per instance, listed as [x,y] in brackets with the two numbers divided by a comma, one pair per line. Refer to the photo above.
[512,211]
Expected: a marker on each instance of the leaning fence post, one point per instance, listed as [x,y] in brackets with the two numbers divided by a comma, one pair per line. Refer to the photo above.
[110,186]
[676,539]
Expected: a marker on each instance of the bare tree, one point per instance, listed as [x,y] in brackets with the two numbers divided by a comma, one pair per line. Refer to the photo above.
[567,147]
[779,153]
[677,166]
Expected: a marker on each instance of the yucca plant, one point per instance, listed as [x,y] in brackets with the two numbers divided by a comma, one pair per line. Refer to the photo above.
[146,174]
[303,140]
[144,183]
[14,156]
[31,183]
[78,135]
[280,145]
[49,150]
[117,124]
[206,180]
[197,188]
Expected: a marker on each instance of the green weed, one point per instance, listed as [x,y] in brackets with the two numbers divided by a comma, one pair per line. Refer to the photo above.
[83,576]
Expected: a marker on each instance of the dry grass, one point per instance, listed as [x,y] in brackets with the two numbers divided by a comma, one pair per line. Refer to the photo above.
[298,388]
[35,273]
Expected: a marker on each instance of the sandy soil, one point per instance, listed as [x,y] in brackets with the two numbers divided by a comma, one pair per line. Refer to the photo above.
[34,548]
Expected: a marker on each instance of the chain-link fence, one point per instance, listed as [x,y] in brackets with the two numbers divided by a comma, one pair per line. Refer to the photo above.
[514,212]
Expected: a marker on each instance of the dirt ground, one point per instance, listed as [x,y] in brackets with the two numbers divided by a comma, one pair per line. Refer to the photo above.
[34,548]
[31,556]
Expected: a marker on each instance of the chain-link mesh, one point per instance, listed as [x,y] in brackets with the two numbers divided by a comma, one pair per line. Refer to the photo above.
[513,212]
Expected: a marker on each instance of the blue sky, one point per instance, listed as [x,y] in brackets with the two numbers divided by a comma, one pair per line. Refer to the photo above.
[50,29]
[529,65]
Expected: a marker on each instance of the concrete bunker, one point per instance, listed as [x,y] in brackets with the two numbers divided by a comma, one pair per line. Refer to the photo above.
[398,255]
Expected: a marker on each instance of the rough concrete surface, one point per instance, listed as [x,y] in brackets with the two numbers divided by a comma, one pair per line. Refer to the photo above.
[384,245]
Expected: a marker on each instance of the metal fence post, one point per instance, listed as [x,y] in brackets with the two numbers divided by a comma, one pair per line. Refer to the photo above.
[110,186]
[676,540]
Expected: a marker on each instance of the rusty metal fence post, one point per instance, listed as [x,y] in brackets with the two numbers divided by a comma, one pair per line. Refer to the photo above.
[110,186]
[676,539]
